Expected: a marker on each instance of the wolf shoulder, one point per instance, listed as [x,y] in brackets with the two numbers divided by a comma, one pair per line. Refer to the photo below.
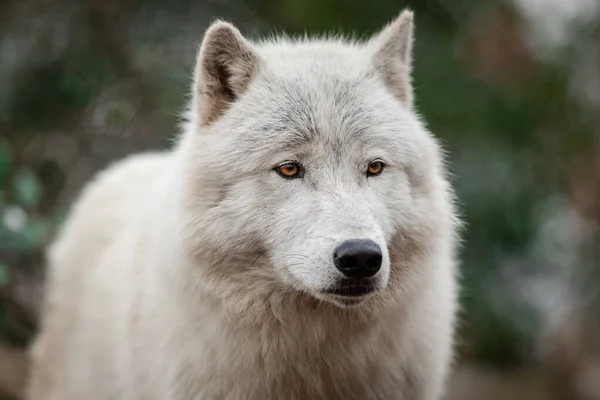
[107,205]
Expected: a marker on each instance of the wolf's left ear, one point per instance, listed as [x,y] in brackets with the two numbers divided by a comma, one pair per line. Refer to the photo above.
[392,56]
[226,65]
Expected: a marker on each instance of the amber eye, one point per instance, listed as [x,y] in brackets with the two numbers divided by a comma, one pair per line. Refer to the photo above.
[289,170]
[375,168]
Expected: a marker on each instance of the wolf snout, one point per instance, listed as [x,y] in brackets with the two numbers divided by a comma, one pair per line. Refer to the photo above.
[358,258]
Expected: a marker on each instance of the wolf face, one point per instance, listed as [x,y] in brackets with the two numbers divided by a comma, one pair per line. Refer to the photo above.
[308,158]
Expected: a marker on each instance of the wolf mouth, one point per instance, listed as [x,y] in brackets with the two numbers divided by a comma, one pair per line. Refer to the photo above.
[351,289]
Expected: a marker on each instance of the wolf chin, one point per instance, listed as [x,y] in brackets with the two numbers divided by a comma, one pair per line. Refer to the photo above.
[296,243]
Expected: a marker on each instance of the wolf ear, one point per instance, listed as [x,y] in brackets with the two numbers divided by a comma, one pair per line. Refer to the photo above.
[226,64]
[392,56]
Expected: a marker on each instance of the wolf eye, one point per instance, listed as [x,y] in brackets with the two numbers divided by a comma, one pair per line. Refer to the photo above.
[289,170]
[375,168]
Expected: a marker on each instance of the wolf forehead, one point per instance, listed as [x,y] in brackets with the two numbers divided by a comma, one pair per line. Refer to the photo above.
[310,84]
[316,103]
[285,94]
[311,109]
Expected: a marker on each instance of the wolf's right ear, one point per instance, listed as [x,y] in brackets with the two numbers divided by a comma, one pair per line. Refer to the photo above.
[392,56]
[226,64]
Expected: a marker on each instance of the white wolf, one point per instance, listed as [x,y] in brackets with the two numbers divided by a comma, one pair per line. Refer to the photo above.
[297,243]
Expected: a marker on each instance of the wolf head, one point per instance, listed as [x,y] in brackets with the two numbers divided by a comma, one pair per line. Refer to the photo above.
[306,166]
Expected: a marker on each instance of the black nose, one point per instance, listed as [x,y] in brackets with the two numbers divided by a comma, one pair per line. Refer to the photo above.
[358,258]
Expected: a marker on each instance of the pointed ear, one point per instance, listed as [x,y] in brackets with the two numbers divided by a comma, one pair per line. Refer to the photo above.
[392,56]
[226,65]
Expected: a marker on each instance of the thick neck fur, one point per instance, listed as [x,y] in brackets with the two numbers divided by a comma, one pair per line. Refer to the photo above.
[317,349]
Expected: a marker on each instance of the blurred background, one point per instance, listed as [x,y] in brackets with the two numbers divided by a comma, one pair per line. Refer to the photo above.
[512,89]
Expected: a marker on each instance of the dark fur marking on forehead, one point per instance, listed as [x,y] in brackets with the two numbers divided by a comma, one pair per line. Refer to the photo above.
[337,114]
[297,110]
[291,119]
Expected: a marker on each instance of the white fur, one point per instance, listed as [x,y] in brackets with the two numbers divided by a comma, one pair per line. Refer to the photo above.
[199,273]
